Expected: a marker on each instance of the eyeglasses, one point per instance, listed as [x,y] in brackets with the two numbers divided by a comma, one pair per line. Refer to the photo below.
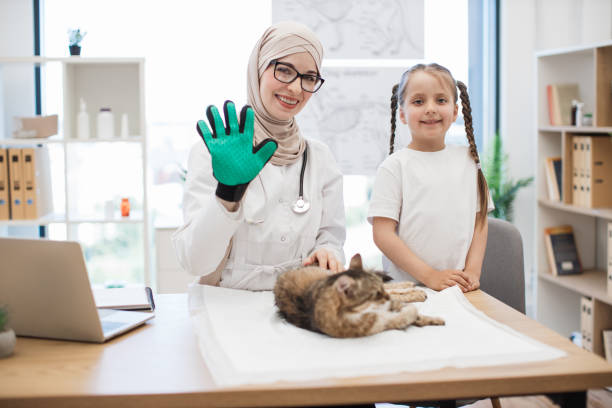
[286,73]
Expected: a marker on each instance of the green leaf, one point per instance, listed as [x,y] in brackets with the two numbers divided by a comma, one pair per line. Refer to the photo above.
[503,190]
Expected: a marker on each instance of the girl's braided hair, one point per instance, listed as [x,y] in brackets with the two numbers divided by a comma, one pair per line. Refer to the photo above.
[397,98]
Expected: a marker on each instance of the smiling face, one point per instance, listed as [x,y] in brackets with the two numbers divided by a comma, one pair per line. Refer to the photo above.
[284,101]
[428,109]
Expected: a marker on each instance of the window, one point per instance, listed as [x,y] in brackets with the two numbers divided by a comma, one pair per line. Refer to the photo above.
[184,43]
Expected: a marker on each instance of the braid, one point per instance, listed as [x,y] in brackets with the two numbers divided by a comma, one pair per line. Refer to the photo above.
[393,112]
[483,189]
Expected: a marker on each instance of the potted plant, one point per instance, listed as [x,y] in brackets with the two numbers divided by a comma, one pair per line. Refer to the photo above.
[7,336]
[503,189]
[75,36]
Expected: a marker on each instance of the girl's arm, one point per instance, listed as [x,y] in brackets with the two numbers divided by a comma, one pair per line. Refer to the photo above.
[387,240]
[475,256]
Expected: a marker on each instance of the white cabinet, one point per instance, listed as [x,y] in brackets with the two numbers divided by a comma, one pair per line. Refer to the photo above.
[170,277]
[95,173]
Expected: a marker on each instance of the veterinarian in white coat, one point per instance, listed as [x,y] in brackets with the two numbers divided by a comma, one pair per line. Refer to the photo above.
[246,241]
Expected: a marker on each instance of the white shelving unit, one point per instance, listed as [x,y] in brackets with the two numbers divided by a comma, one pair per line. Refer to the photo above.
[115,82]
[559,296]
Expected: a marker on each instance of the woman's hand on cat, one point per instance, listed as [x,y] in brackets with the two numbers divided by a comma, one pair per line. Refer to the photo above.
[440,280]
[326,260]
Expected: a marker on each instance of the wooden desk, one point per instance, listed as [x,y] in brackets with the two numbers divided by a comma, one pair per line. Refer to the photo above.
[159,365]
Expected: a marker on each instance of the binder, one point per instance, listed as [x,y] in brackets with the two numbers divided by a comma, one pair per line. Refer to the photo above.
[575,172]
[29,185]
[36,185]
[5,205]
[16,184]
[586,322]
[610,259]
[598,171]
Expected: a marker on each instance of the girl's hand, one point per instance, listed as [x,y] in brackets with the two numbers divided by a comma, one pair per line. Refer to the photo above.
[440,280]
[326,260]
[474,280]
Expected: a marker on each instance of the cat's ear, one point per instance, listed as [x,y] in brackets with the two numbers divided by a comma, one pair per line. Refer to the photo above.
[344,284]
[383,275]
[356,262]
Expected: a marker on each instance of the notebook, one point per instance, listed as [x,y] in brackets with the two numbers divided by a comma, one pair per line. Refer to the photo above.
[126,298]
[46,287]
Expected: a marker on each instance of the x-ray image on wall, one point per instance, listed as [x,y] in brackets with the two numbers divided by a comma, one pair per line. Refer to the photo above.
[360,29]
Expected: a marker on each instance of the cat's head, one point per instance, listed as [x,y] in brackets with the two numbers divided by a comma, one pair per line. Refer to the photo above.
[357,286]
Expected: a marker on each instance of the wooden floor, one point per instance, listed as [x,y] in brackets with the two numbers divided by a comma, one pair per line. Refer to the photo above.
[595,399]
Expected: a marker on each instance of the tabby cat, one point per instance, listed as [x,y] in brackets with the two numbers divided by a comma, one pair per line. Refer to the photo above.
[353,303]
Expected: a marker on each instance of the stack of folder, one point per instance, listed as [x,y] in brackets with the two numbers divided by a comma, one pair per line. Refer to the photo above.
[595,317]
[592,171]
[25,190]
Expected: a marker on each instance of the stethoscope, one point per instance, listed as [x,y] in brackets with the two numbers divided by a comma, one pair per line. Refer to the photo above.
[302,205]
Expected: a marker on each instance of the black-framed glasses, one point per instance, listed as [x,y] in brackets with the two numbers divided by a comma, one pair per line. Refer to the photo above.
[286,73]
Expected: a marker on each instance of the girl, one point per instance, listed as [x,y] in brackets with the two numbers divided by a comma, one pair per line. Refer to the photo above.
[245,239]
[430,200]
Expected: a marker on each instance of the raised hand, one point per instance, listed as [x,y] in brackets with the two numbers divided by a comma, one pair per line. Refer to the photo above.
[235,161]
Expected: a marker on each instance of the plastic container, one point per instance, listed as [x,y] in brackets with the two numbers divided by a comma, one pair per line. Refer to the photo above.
[125,132]
[125,207]
[83,122]
[106,127]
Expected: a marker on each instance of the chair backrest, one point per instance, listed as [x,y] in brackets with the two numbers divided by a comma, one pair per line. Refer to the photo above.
[503,273]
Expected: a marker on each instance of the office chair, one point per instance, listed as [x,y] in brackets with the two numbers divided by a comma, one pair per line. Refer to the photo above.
[503,277]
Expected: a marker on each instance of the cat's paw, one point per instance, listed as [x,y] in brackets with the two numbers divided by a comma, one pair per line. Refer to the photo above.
[429,321]
[414,295]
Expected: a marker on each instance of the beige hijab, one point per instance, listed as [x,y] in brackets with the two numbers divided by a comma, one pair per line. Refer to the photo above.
[278,41]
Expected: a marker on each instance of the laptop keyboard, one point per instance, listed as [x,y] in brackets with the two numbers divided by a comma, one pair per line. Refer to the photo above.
[108,325]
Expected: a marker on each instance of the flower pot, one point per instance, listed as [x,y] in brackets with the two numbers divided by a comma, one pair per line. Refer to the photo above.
[7,342]
[75,49]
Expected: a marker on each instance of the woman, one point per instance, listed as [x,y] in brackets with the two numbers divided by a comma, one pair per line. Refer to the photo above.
[246,237]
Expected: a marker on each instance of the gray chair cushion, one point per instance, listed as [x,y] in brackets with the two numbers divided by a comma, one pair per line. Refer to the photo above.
[503,273]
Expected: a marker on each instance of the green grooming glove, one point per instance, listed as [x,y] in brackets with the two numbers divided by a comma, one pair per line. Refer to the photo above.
[235,161]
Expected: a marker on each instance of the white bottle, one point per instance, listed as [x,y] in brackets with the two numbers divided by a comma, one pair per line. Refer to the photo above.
[83,122]
[125,132]
[106,127]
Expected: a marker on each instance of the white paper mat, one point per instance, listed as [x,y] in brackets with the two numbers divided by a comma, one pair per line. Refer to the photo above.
[243,341]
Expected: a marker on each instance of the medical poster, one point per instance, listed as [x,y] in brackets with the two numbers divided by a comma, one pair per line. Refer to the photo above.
[351,114]
[360,29]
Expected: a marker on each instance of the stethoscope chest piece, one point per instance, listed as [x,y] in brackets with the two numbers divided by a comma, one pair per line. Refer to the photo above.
[301,206]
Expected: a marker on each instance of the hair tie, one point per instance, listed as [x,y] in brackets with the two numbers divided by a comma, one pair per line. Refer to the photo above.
[478,166]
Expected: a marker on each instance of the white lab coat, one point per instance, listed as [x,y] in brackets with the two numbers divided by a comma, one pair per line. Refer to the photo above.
[266,236]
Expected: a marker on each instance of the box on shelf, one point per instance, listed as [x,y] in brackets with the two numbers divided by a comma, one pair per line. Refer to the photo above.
[34,127]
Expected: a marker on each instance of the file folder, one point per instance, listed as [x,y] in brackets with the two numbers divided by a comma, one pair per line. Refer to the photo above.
[36,182]
[16,184]
[29,183]
[5,203]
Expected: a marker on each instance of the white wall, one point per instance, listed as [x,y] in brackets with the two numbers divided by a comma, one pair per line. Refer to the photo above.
[16,28]
[16,39]
[528,26]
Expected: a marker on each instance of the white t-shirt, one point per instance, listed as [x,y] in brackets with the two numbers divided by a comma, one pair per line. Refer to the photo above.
[434,198]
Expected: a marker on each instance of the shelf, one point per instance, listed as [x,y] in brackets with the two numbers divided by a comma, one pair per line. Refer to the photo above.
[30,141]
[71,60]
[47,219]
[604,213]
[133,139]
[591,283]
[576,129]
[43,141]
[126,220]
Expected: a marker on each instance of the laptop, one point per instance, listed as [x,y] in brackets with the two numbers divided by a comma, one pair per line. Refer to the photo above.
[46,287]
